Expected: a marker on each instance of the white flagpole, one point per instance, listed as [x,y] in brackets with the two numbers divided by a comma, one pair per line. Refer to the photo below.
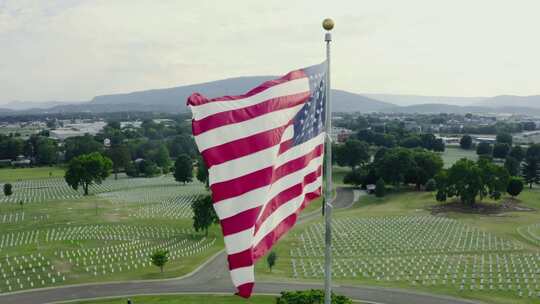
[328,25]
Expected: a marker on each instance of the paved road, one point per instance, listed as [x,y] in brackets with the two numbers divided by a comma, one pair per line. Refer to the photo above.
[212,277]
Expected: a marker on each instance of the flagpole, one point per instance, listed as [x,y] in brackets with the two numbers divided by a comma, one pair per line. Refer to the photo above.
[328,25]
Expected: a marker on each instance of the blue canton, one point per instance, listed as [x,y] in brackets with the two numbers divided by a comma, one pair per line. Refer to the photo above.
[309,122]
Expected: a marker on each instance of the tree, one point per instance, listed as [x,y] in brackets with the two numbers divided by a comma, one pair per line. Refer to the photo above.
[515,186]
[45,151]
[431,185]
[484,149]
[87,169]
[354,178]
[469,180]
[204,214]
[531,171]
[425,166]
[120,157]
[512,165]
[202,171]
[438,145]
[380,188]
[517,153]
[8,189]
[353,153]
[504,138]
[394,165]
[411,142]
[183,169]
[148,168]
[159,258]
[271,260]
[161,157]
[501,150]
[80,145]
[466,142]
[533,152]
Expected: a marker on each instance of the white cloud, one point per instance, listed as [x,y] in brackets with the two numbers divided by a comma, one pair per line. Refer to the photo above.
[73,50]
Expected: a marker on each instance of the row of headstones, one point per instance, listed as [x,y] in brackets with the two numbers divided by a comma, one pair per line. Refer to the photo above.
[110,232]
[19,238]
[32,191]
[365,238]
[177,207]
[369,270]
[110,265]
[18,217]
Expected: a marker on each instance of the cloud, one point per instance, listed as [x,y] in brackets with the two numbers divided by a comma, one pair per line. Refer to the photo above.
[73,50]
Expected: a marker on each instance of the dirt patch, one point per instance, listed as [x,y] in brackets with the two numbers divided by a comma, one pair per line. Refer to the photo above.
[506,205]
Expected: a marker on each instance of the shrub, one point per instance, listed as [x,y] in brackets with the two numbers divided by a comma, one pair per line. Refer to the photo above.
[431,185]
[380,188]
[515,186]
[313,296]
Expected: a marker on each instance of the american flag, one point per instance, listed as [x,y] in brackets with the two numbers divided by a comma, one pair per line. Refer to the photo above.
[264,151]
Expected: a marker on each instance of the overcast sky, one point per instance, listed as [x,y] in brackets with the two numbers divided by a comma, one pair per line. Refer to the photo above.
[74,50]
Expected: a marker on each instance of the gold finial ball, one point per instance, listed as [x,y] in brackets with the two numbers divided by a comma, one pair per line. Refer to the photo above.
[328,24]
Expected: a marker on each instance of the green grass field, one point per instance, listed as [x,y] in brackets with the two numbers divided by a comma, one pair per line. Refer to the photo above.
[453,154]
[383,255]
[184,299]
[54,239]
[78,242]
[12,175]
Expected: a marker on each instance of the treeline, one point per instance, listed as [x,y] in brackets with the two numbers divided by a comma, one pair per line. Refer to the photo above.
[143,151]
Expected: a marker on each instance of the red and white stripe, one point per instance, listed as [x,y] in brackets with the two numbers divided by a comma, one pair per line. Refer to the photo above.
[259,180]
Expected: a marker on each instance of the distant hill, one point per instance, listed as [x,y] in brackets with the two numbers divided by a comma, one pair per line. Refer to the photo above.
[173,100]
[500,101]
[445,108]
[408,100]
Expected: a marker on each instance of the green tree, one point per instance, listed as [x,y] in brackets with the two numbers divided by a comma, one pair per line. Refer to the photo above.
[183,169]
[204,214]
[504,138]
[120,157]
[354,177]
[202,171]
[515,186]
[148,168]
[161,157]
[533,152]
[45,151]
[517,153]
[380,188]
[531,171]
[501,150]
[394,165]
[86,169]
[271,260]
[424,167]
[80,145]
[512,165]
[469,180]
[484,149]
[159,258]
[353,153]
[466,142]
[431,185]
[438,145]
[8,189]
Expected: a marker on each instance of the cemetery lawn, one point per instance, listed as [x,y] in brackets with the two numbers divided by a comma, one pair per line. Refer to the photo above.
[185,299]
[12,175]
[56,239]
[513,236]
[452,154]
